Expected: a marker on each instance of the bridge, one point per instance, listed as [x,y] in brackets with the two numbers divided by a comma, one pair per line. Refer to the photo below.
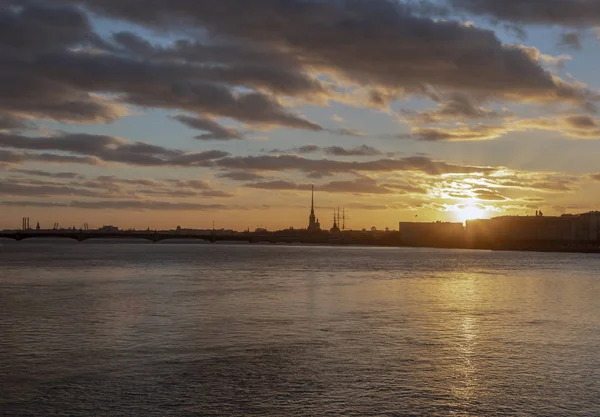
[391,239]
[158,236]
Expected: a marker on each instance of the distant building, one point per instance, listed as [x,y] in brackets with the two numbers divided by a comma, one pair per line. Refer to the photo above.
[313,222]
[336,227]
[437,233]
[539,228]
[108,229]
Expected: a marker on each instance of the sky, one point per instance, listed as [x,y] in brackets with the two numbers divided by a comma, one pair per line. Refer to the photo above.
[180,113]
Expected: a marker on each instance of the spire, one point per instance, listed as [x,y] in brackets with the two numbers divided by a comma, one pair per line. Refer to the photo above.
[313,223]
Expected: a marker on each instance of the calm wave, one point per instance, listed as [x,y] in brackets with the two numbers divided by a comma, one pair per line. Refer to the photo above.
[158,330]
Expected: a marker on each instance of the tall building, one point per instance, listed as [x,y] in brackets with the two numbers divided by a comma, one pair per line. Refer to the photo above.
[313,222]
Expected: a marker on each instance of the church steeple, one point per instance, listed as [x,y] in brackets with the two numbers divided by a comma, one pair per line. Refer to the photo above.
[313,223]
[336,220]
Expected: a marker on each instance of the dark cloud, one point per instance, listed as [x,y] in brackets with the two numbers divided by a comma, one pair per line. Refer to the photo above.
[138,205]
[9,122]
[325,166]
[553,12]
[39,173]
[308,149]
[194,184]
[9,188]
[347,132]
[42,26]
[570,40]
[392,48]
[362,185]
[22,157]
[28,31]
[363,150]
[214,130]
[238,63]
[101,148]
[573,126]
[143,205]
[42,98]
[251,60]
[279,185]
[182,193]
[201,98]
[109,187]
[489,195]
[241,176]
[582,122]
[48,71]
[455,106]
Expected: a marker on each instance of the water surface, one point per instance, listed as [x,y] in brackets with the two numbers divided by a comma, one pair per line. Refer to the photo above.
[159,330]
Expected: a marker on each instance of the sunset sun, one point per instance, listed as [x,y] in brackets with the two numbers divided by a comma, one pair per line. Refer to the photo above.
[469,213]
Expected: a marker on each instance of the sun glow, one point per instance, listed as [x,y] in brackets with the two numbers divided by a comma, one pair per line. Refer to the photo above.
[469,213]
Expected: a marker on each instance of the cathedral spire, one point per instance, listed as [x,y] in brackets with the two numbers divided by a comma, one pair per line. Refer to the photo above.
[313,223]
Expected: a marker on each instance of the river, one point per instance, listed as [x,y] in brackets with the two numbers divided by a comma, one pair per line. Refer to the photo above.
[242,330]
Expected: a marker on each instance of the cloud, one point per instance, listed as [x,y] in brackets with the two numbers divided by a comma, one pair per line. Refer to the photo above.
[66,72]
[146,205]
[363,150]
[456,106]
[137,205]
[595,177]
[9,122]
[462,133]
[214,129]
[34,29]
[570,40]
[195,184]
[347,132]
[489,195]
[108,187]
[571,126]
[532,181]
[281,185]
[308,149]
[101,148]
[37,26]
[22,157]
[9,188]
[405,188]
[236,63]
[395,48]
[241,176]
[362,185]
[384,207]
[327,166]
[40,173]
[556,12]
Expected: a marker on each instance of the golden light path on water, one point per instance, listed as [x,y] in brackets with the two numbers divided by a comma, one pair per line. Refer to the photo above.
[297,330]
